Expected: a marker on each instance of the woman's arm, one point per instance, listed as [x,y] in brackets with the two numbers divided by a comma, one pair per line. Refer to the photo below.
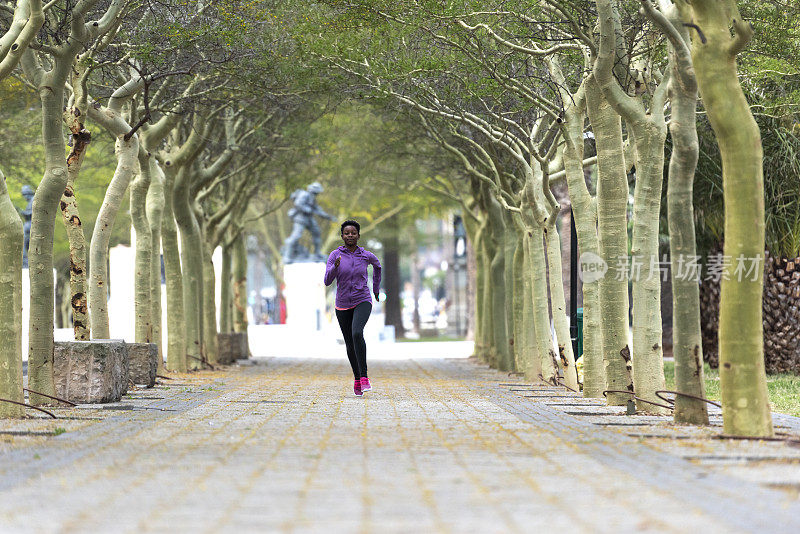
[376,274]
[331,268]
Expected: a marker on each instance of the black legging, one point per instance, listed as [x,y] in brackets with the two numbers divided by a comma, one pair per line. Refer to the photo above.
[352,323]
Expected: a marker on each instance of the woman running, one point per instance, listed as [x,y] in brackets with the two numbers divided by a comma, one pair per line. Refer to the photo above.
[348,265]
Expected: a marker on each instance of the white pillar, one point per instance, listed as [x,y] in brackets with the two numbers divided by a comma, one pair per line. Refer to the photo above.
[305,295]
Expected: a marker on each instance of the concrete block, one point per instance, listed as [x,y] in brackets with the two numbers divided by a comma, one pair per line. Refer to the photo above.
[143,363]
[232,346]
[91,371]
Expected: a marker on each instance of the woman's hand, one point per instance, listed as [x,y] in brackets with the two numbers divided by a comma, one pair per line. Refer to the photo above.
[336,261]
[377,297]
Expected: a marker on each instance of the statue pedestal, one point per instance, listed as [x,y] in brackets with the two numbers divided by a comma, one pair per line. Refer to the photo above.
[305,295]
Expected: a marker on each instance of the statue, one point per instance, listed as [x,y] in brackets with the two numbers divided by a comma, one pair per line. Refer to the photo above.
[302,215]
[26,214]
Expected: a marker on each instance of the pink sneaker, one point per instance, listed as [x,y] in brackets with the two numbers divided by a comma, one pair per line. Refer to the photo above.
[365,386]
[357,387]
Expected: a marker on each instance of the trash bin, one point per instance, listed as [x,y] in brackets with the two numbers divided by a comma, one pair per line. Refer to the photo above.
[577,346]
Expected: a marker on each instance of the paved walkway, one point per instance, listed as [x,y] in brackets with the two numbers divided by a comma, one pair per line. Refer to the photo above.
[441,445]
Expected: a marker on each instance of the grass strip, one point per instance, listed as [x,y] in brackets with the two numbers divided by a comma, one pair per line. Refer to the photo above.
[783,388]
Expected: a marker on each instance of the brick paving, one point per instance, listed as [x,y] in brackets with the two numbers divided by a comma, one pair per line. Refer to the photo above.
[440,445]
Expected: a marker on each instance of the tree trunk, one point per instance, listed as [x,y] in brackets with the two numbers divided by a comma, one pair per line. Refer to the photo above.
[686,333]
[239,285]
[155,213]
[176,326]
[541,315]
[11,236]
[497,288]
[191,268]
[509,250]
[521,354]
[127,165]
[393,306]
[584,211]
[533,364]
[648,356]
[40,249]
[525,340]
[745,404]
[77,240]
[566,358]
[612,206]
[485,268]
[143,304]
[647,130]
[475,230]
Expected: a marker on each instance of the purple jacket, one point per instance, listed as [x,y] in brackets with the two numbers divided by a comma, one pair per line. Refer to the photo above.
[351,276]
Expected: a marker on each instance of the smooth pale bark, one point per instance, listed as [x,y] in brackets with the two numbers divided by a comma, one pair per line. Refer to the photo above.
[27,21]
[476,231]
[127,167]
[541,310]
[143,246]
[152,136]
[226,297]
[191,268]
[532,364]
[566,358]
[612,206]
[584,211]
[49,78]
[78,298]
[497,288]
[648,130]
[471,225]
[126,149]
[40,252]
[525,353]
[509,251]
[155,212]
[239,285]
[745,403]
[489,350]
[11,237]
[210,348]
[648,357]
[687,347]
[176,326]
[484,260]
[183,288]
[518,287]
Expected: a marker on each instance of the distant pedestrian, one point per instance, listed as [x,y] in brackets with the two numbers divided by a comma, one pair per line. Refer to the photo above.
[348,265]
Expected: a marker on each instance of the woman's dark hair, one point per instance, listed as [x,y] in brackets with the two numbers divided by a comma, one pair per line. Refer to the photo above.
[351,223]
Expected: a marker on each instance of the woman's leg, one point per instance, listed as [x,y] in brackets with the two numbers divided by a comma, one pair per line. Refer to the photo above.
[360,317]
[345,318]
